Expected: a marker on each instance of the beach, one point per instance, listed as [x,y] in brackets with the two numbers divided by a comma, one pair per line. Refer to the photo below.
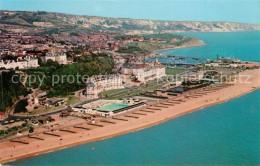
[147,117]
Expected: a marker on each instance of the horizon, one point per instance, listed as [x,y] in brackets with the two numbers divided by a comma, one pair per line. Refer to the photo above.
[144,10]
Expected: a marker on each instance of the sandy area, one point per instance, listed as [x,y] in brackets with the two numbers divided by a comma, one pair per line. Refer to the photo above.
[149,116]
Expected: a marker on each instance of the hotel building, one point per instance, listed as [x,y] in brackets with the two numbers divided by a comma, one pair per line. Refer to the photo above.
[144,74]
[101,83]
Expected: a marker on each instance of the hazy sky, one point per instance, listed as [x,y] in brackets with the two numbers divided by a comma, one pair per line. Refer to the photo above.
[247,11]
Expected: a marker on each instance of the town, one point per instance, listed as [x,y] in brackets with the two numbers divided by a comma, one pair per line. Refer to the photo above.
[126,79]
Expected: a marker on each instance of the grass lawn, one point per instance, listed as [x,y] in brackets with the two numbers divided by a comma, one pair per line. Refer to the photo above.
[42,110]
[171,71]
[109,92]
[72,99]
[138,91]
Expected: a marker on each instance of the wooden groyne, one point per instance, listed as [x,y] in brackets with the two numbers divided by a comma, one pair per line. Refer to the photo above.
[34,137]
[130,116]
[146,111]
[94,124]
[51,134]
[68,131]
[136,113]
[19,141]
[81,127]
[119,119]
[106,121]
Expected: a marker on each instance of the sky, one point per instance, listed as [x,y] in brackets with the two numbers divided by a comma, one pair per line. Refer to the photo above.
[244,11]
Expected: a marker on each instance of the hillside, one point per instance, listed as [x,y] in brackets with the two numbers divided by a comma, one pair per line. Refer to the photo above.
[162,41]
[67,22]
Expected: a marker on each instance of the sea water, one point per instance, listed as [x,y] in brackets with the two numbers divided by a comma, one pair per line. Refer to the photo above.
[241,45]
[223,134]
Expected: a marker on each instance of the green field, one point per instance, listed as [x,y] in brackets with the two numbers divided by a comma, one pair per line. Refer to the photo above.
[167,41]
[109,92]
[138,91]
[171,71]
[71,99]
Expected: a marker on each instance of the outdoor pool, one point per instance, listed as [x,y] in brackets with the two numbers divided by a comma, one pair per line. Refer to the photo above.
[112,107]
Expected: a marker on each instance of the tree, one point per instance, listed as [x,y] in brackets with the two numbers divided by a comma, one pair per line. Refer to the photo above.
[2,132]
[31,129]
[50,62]
[12,89]
[20,106]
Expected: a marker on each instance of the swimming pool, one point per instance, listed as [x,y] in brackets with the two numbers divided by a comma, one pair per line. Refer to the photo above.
[112,107]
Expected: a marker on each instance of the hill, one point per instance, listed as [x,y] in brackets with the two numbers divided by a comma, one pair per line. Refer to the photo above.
[67,22]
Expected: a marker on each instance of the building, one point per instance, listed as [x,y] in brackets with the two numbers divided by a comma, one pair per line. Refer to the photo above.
[61,58]
[20,63]
[101,83]
[224,63]
[144,74]
[109,107]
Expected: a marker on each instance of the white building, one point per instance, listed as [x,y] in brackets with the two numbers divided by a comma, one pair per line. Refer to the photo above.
[21,63]
[61,58]
[101,83]
[144,74]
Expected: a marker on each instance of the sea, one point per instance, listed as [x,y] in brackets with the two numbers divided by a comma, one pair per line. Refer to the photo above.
[222,134]
[242,45]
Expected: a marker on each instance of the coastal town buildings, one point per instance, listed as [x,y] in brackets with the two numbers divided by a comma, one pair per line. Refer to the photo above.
[20,63]
[144,71]
[61,58]
[224,62]
[144,74]
[101,83]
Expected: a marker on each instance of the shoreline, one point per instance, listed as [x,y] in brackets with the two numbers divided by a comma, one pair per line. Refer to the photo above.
[176,48]
[156,53]
[181,47]
[121,133]
[147,124]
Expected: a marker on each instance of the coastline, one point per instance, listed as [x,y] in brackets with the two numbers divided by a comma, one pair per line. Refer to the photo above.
[199,43]
[165,114]
[180,48]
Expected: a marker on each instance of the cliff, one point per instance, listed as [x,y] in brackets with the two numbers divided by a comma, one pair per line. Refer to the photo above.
[123,25]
